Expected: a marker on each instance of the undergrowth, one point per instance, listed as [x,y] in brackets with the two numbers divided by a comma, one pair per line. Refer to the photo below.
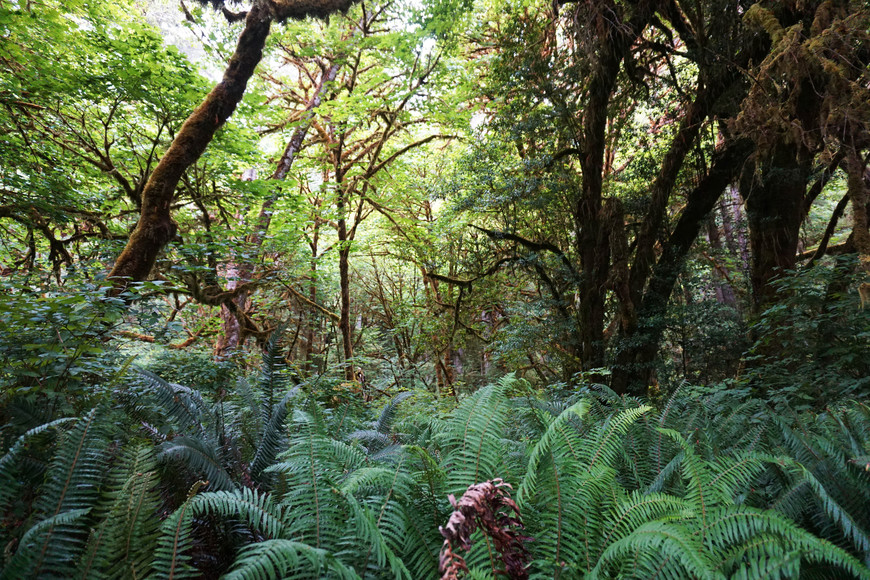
[160,481]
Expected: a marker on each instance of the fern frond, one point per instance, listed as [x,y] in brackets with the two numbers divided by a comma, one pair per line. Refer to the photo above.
[732,526]
[850,528]
[181,405]
[384,422]
[171,558]
[424,512]
[255,509]
[560,435]
[279,558]
[200,457]
[472,439]
[608,437]
[29,560]
[72,485]
[9,484]
[637,509]
[310,471]
[272,437]
[123,544]
[372,439]
[651,547]
[273,378]
[698,476]
[666,473]
[366,530]
[567,516]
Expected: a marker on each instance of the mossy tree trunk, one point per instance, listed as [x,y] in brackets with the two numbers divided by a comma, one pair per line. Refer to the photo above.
[156,227]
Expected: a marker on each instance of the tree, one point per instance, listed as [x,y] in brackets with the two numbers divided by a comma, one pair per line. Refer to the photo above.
[156,227]
[610,262]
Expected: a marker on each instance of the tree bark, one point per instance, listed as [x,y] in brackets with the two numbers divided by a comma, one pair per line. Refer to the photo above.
[855,167]
[232,336]
[721,285]
[592,239]
[344,283]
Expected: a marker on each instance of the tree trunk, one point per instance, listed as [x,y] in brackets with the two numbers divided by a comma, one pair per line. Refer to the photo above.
[344,285]
[724,292]
[233,336]
[857,184]
[633,367]
[156,227]
[774,208]
[733,227]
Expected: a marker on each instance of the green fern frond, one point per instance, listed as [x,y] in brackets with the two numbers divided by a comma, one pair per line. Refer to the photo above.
[608,437]
[378,480]
[249,399]
[733,526]
[71,485]
[280,558]
[763,566]
[181,405]
[366,530]
[124,542]
[559,435]
[567,516]
[698,476]
[171,558]
[847,523]
[661,479]
[384,422]
[637,509]
[371,438]
[471,440]
[29,560]
[310,471]
[652,548]
[9,481]
[425,511]
[272,438]
[201,458]
[257,510]
[273,376]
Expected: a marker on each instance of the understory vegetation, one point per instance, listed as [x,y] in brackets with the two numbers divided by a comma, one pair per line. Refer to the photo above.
[445,289]
[163,480]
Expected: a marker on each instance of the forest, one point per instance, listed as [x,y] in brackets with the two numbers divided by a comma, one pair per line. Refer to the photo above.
[424,289]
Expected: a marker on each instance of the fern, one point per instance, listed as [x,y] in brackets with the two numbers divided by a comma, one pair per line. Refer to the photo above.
[200,457]
[559,438]
[656,549]
[272,436]
[71,486]
[171,558]
[280,558]
[472,438]
[739,527]
[273,376]
[123,544]
[181,406]
[378,438]
[9,478]
[257,510]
